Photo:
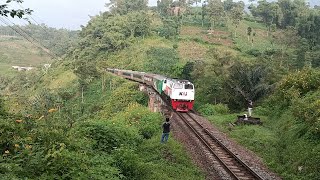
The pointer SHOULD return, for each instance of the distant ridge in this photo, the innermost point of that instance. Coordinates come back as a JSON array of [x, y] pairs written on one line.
[[312, 2]]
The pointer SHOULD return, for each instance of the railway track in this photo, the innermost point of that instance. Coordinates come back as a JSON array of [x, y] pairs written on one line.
[[236, 168]]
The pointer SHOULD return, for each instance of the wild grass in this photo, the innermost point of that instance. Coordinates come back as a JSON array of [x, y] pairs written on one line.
[[262, 40], [63, 80], [276, 142]]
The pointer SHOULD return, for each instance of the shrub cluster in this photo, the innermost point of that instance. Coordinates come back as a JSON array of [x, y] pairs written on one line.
[[210, 109], [299, 92], [118, 141]]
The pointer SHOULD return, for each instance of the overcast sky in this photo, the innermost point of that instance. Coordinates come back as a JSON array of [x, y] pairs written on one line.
[[69, 14]]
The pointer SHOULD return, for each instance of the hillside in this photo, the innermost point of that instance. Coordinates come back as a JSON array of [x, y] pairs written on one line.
[[16, 51], [47, 42], [77, 121]]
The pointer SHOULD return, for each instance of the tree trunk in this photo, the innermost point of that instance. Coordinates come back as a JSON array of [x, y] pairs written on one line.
[[102, 84], [82, 94]]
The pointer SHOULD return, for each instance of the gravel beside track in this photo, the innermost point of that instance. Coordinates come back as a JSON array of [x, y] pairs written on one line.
[[205, 160]]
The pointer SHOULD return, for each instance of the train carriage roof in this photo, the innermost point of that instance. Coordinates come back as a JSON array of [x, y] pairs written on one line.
[[158, 77], [154, 76]]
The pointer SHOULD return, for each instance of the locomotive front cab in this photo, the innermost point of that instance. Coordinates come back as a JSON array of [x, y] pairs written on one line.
[[182, 97]]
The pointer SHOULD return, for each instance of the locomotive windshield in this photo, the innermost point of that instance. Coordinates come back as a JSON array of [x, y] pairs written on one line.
[[188, 86], [178, 86]]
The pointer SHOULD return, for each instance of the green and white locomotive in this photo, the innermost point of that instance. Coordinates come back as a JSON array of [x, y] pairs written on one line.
[[180, 93]]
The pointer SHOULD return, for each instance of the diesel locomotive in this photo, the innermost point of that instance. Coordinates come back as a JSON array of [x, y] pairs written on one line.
[[180, 93]]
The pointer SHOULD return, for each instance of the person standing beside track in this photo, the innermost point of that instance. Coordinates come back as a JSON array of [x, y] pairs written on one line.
[[250, 107], [166, 131]]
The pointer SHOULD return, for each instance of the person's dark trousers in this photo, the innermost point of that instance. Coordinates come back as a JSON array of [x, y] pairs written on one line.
[[164, 137]]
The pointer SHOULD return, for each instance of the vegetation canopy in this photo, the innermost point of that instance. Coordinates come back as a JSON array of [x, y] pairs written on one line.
[[73, 120]]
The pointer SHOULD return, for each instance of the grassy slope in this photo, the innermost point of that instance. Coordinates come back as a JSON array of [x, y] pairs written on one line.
[[195, 43], [135, 56], [264, 140], [261, 39], [19, 52], [154, 154]]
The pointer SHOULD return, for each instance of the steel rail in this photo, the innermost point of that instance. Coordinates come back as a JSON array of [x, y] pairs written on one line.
[[207, 145], [237, 159], [228, 150]]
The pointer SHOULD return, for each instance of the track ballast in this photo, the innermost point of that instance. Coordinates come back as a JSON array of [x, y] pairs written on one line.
[[236, 168]]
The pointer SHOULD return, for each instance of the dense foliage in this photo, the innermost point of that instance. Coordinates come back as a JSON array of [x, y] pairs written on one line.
[[100, 147], [73, 122], [76, 113], [108, 33]]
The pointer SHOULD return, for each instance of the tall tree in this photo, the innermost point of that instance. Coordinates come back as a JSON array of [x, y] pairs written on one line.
[[215, 12], [247, 83], [237, 15], [302, 54], [228, 4], [309, 27], [125, 6], [163, 6], [249, 32], [270, 13], [289, 12]]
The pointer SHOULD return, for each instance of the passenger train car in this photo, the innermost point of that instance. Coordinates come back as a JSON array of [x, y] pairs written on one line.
[[180, 93]]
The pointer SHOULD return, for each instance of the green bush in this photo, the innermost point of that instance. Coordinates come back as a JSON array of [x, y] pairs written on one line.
[[141, 118], [130, 164], [210, 109], [254, 52], [307, 110], [299, 92], [117, 103], [108, 135], [168, 161], [302, 81], [10, 133], [2, 109], [260, 110], [161, 60]]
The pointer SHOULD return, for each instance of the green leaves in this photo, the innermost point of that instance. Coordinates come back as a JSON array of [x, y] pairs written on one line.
[[161, 60], [4, 11], [247, 83], [298, 94], [215, 12], [123, 7], [210, 110], [108, 33], [110, 135]]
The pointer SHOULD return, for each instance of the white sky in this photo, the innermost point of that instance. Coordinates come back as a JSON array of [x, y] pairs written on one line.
[[69, 14]]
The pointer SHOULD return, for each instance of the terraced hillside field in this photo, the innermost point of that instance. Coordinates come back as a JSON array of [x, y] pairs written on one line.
[[19, 52]]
